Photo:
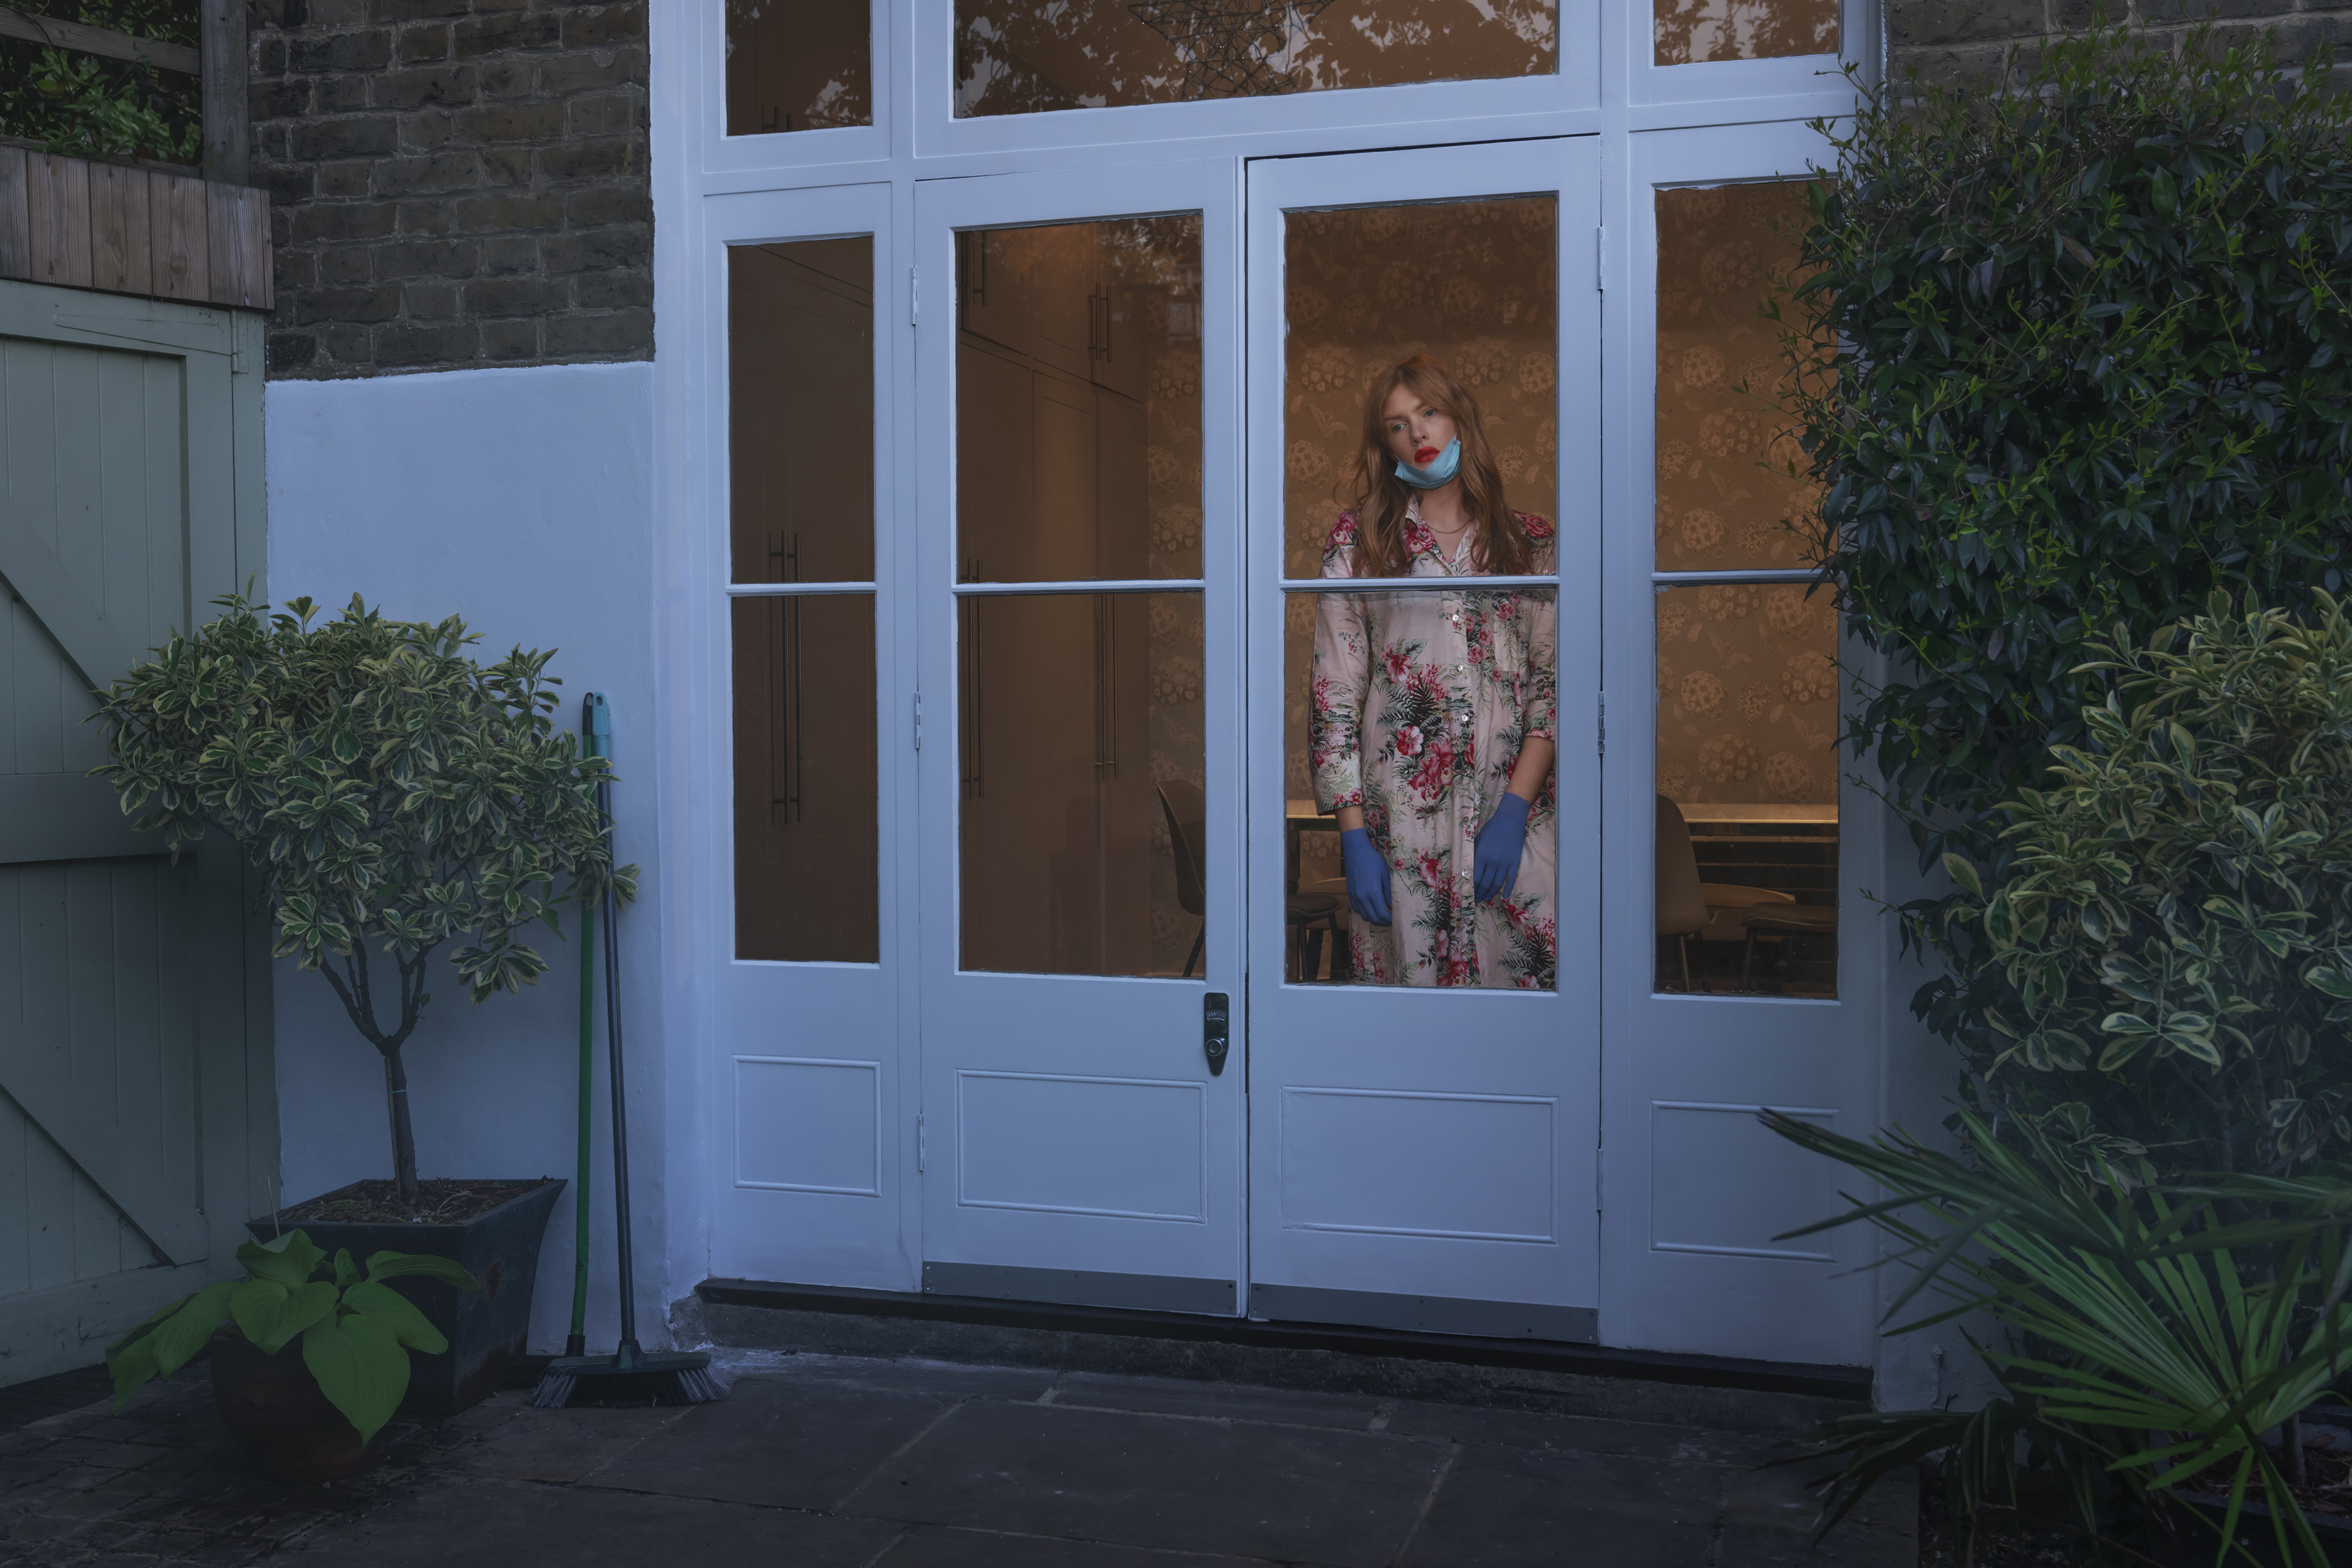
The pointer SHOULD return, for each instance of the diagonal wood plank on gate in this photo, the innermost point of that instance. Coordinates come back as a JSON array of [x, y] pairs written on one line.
[[99, 648]]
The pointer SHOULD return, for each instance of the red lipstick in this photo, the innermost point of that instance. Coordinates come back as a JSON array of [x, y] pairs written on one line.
[[1423, 455]]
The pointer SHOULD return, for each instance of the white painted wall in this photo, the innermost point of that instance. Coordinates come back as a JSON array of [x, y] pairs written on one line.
[[523, 501]]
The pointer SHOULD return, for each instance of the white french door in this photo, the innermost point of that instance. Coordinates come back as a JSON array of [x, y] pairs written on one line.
[[1725, 771], [805, 776], [1423, 1158], [1077, 368]]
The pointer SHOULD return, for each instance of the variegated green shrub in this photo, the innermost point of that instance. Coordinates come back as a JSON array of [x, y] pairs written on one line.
[[392, 793], [2174, 941]]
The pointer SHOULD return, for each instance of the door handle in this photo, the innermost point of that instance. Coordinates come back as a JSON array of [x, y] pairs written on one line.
[[1217, 1029]]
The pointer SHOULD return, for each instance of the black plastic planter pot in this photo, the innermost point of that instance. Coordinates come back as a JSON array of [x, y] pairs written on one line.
[[2199, 1536], [486, 1328]]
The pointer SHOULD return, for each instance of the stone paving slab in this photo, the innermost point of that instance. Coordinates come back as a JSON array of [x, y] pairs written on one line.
[[819, 1462]]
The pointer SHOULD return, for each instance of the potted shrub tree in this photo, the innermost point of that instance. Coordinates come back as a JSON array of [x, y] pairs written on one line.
[[397, 796], [310, 1414]]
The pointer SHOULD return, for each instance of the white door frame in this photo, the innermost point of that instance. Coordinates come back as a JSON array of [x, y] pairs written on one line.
[[1689, 1260], [1076, 1030], [1392, 1273], [825, 1203]]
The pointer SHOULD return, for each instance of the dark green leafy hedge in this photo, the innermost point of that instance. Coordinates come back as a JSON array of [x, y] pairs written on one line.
[[2093, 363]]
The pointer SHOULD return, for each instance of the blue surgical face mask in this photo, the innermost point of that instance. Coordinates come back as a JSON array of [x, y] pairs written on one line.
[[1439, 473]]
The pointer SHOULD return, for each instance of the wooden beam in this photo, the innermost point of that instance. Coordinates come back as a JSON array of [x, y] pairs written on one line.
[[96, 647], [225, 129], [63, 35], [16, 215], [68, 817]]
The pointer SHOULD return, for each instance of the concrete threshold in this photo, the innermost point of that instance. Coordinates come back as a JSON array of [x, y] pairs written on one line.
[[1561, 1379]]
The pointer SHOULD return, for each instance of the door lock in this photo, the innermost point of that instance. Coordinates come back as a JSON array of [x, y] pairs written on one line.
[[1217, 1029]]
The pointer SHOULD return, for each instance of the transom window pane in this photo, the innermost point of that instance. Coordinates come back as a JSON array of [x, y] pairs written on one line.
[[798, 65], [1017, 57], [1686, 32]]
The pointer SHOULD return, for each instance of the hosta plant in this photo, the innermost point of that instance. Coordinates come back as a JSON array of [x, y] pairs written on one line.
[[355, 1331], [393, 793]]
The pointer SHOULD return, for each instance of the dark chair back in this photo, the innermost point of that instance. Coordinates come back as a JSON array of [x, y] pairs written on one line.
[[1188, 819]]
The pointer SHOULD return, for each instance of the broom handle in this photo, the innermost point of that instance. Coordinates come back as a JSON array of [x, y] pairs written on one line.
[[620, 1105]]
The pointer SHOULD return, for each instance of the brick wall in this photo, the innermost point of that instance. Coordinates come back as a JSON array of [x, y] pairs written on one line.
[[454, 184], [1948, 39]]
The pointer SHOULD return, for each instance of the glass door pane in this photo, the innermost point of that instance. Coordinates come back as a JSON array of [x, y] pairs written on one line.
[[1413, 707], [800, 325], [1748, 673], [1080, 714]]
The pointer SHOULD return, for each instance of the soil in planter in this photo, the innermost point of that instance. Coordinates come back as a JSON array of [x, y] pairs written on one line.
[[2002, 1541], [441, 1201]]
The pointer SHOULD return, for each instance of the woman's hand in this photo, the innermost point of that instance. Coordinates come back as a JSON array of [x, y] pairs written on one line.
[[1499, 845], [1368, 875]]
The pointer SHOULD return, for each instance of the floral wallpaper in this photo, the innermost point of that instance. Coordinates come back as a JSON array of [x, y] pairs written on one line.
[[1475, 284], [1728, 484], [1748, 677], [1747, 684]]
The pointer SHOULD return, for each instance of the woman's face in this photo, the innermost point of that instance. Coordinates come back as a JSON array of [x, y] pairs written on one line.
[[1415, 432]]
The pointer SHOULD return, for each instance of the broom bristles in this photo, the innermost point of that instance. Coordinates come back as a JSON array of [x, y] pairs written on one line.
[[640, 1381]]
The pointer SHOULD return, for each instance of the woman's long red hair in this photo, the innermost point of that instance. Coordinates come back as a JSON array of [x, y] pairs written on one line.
[[1500, 544]]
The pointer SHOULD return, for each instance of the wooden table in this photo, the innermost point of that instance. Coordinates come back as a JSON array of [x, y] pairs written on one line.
[[1299, 816]]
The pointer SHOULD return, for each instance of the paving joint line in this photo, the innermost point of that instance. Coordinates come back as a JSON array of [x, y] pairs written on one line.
[[1428, 1501], [896, 1454]]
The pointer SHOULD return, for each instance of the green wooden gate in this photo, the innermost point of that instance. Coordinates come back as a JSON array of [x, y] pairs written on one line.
[[137, 1118]]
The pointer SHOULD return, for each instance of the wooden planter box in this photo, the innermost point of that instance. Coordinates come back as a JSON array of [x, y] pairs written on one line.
[[130, 230]]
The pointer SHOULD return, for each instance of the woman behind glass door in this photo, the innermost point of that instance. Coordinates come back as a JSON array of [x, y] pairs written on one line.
[[1432, 710]]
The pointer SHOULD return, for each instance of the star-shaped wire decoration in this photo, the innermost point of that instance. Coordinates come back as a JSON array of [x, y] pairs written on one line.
[[1225, 44]]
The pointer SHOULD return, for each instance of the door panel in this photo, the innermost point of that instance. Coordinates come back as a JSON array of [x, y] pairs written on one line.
[[1077, 1145], [136, 1119], [1424, 1155]]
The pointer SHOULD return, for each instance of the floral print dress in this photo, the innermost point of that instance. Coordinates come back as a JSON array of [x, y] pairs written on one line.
[[1421, 700]]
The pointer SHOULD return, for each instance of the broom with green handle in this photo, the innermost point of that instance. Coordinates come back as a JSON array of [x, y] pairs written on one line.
[[593, 743], [631, 1377]]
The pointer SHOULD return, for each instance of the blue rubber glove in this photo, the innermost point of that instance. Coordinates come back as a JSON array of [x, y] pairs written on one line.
[[1499, 844], [1368, 875]]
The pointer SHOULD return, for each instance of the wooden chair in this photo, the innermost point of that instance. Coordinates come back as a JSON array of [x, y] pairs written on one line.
[[1187, 818], [1689, 907], [1187, 811]]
